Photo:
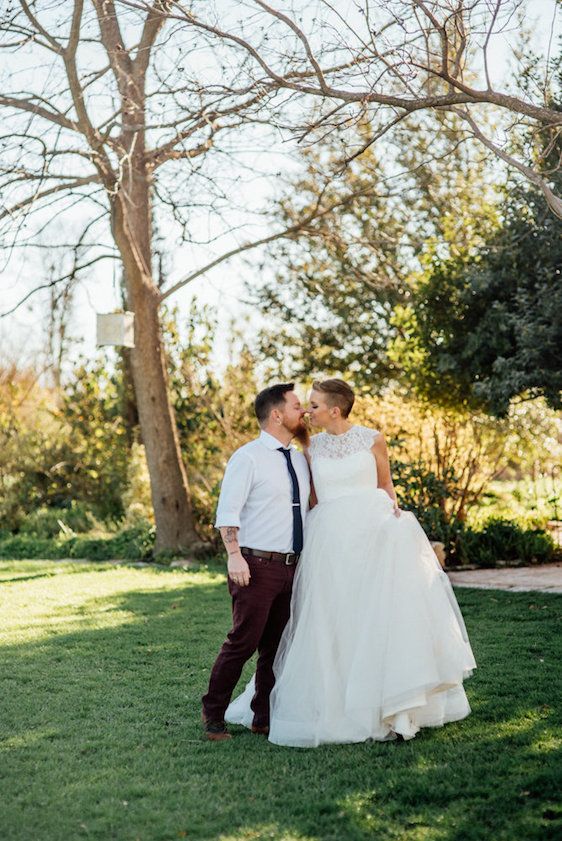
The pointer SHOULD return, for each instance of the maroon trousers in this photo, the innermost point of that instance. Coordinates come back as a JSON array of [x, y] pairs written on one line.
[[259, 612]]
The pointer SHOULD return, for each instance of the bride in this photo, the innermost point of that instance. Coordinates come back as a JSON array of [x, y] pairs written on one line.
[[376, 646]]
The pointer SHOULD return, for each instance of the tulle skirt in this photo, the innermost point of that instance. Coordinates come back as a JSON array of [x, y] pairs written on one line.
[[376, 645]]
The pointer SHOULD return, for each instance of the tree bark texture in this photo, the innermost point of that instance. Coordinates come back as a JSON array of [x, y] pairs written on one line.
[[132, 230], [175, 528]]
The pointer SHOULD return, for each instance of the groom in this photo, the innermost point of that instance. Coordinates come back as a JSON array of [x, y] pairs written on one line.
[[261, 512]]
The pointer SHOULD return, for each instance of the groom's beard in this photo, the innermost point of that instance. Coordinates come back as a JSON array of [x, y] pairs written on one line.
[[302, 433]]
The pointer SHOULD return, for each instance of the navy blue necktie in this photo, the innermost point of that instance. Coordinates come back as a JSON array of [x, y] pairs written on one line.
[[297, 518]]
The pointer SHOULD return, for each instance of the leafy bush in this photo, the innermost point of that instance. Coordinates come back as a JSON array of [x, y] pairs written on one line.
[[438, 527], [419, 490], [135, 543], [56, 448], [20, 546], [497, 539], [51, 522], [131, 544], [503, 540]]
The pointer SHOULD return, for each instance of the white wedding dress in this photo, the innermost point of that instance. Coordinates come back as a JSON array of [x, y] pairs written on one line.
[[376, 644]]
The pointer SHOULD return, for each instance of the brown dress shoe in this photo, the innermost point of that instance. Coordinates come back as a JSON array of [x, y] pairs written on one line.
[[215, 731], [261, 730]]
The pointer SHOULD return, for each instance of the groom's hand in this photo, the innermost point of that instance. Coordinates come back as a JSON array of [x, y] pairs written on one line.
[[238, 569]]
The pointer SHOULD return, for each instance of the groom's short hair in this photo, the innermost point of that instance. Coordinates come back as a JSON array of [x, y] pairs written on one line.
[[271, 398]]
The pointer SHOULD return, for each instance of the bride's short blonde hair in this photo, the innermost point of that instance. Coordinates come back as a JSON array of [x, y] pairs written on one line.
[[338, 393]]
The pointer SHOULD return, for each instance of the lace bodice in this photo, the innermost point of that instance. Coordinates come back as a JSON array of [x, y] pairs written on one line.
[[355, 439], [343, 465]]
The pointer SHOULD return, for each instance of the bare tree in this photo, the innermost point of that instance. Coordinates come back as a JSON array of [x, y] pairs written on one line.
[[385, 61], [112, 116], [91, 120]]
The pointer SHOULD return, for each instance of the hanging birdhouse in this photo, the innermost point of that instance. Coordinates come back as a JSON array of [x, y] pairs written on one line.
[[116, 328]]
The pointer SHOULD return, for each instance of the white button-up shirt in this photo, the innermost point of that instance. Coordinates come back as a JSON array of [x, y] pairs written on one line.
[[257, 494]]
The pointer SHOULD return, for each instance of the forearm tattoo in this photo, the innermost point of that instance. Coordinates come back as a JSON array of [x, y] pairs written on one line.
[[229, 536]]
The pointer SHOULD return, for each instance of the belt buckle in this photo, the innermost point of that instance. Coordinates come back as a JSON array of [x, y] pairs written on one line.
[[288, 555]]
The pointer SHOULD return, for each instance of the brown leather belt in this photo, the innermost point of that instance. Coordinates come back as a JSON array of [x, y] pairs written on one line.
[[287, 558]]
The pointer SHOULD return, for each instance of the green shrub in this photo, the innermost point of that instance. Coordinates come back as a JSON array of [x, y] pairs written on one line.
[[51, 522], [20, 546], [135, 543], [537, 545], [504, 540], [438, 527], [92, 548], [419, 490], [483, 542]]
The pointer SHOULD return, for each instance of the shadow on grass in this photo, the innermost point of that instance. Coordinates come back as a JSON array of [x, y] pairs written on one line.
[[102, 739], [19, 578]]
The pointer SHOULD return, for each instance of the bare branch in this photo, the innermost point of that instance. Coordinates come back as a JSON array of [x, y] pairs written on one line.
[[167, 151], [302, 37], [47, 114], [52, 43], [75, 27], [68, 185], [51, 283], [461, 94], [155, 19], [554, 202], [289, 232], [112, 40], [487, 42]]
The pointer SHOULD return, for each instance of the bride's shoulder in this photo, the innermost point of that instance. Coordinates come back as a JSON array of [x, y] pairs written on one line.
[[367, 434]]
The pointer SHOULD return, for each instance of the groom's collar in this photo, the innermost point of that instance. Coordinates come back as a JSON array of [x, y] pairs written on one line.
[[271, 442]]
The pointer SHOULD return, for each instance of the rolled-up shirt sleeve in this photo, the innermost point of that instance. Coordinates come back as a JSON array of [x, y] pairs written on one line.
[[235, 488]]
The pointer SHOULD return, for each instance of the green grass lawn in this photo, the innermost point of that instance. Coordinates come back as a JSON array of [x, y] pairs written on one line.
[[101, 672]]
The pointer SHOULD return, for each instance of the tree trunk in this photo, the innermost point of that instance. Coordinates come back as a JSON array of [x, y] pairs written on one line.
[[175, 527], [129, 409], [129, 401], [130, 202]]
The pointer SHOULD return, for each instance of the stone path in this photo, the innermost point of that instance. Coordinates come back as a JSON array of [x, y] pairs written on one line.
[[546, 578]]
